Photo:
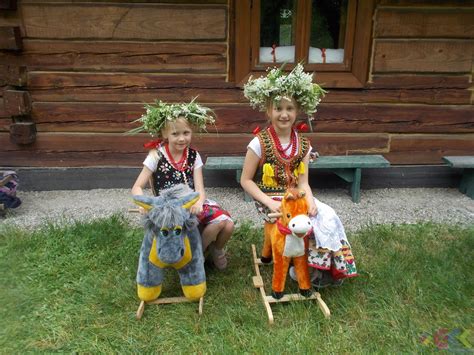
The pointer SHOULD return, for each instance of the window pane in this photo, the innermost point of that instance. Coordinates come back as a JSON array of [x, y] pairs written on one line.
[[277, 31], [328, 30]]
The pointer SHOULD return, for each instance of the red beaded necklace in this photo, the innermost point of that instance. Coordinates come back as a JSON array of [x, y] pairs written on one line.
[[180, 165], [292, 144]]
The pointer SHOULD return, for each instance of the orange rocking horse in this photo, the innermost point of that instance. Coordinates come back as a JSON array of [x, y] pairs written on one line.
[[287, 240]]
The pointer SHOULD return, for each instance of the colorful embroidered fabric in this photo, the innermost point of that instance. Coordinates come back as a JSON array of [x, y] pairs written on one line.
[[283, 170], [210, 213]]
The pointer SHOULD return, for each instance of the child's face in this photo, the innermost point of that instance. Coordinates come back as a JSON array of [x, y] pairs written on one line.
[[283, 114], [178, 134]]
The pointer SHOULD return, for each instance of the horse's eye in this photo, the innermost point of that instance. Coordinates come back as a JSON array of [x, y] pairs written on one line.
[[288, 215], [164, 232], [177, 231]]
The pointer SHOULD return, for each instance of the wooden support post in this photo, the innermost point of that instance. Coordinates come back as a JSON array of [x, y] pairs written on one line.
[[13, 75], [23, 132], [467, 183], [17, 102], [10, 38], [355, 186]]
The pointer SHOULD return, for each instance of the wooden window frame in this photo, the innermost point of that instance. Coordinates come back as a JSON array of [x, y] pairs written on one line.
[[352, 73]]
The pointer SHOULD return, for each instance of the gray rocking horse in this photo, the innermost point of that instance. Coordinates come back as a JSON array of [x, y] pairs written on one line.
[[172, 240]]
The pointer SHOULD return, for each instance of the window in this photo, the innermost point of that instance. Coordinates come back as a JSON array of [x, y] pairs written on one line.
[[332, 38]]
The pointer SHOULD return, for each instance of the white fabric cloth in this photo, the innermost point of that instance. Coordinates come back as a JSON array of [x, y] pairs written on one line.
[[286, 54], [332, 55], [151, 161], [327, 227]]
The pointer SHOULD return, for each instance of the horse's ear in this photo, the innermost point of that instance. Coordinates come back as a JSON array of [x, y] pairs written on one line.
[[143, 201], [301, 194], [190, 200], [289, 196]]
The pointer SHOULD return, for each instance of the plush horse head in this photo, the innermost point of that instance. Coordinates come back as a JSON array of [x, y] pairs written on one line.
[[172, 240], [287, 239]]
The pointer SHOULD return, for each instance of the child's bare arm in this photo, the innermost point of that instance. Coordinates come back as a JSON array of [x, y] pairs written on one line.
[[304, 185], [247, 183], [198, 187], [142, 181]]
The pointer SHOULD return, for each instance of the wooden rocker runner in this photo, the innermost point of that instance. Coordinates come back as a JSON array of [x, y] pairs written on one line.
[[168, 300], [268, 300]]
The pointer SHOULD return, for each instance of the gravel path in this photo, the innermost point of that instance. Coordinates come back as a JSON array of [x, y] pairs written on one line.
[[378, 206]]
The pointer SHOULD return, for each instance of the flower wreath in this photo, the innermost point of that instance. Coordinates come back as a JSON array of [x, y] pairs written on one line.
[[277, 85], [160, 113]]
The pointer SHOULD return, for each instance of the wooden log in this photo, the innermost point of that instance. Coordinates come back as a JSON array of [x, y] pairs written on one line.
[[10, 38], [424, 23], [16, 102], [121, 56], [423, 56], [127, 22], [348, 118], [426, 3], [101, 81], [22, 132], [414, 81], [428, 149], [12, 74], [88, 149], [43, 86]]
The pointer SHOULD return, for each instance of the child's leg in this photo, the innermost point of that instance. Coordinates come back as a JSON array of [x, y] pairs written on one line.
[[217, 233], [215, 236]]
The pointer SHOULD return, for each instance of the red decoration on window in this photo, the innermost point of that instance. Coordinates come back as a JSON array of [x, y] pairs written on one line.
[[256, 130], [152, 144], [273, 52], [302, 127], [323, 54]]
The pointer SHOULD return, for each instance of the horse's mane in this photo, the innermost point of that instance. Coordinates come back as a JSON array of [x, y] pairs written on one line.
[[169, 213]]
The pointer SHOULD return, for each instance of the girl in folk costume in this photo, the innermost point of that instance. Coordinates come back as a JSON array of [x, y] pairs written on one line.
[[172, 161], [277, 159]]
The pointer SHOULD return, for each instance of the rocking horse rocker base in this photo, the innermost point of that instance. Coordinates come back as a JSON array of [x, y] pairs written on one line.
[[286, 241], [167, 300], [268, 299]]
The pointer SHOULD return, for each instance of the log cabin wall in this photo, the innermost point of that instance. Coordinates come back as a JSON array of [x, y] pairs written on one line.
[[77, 73]]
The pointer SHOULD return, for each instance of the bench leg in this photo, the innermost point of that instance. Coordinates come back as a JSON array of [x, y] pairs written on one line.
[[353, 177], [355, 186], [238, 174], [467, 183]]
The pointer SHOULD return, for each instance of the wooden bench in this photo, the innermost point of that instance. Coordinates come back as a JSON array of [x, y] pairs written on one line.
[[348, 167], [467, 180]]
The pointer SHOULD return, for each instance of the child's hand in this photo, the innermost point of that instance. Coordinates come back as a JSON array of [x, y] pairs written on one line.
[[141, 210], [196, 208], [274, 206], [312, 209]]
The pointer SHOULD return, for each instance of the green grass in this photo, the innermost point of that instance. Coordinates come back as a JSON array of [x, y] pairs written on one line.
[[72, 289]]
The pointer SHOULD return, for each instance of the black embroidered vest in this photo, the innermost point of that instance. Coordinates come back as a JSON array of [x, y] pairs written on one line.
[[166, 176]]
